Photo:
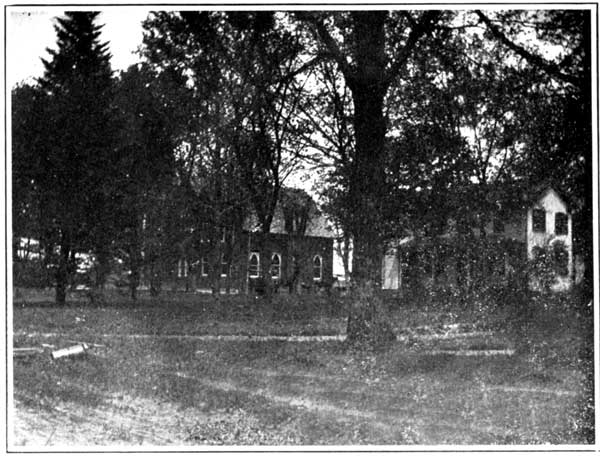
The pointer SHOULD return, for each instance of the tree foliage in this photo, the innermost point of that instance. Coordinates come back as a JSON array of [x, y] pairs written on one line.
[[72, 152], [242, 140], [152, 110], [372, 49], [557, 118], [414, 115]]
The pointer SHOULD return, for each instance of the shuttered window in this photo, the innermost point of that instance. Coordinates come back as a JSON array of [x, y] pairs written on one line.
[[539, 220]]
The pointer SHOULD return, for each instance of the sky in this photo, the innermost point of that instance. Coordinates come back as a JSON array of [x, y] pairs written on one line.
[[29, 31]]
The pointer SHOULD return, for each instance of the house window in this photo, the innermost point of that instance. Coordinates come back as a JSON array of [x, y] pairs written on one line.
[[561, 224], [254, 265], [317, 268], [224, 266], [182, 268], [539, 220], [276, 266], [203, 267], [561, 259]]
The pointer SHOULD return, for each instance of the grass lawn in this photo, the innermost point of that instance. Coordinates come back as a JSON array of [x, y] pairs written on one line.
[[154, 390]]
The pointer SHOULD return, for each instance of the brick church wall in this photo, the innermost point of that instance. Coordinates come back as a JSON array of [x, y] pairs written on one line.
[[297, 255]]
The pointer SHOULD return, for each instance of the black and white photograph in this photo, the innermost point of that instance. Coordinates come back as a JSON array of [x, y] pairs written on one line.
[[301, 227]]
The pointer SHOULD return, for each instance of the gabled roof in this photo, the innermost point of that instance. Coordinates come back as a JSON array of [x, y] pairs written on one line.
[[316, 225], [535, 194], [522, 194], [549, 190]]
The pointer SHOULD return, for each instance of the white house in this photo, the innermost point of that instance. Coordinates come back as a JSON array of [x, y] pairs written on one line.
[[541, 222], [549, 224]]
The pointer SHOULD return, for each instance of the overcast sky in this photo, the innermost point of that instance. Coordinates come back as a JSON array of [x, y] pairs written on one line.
[[29, 31]]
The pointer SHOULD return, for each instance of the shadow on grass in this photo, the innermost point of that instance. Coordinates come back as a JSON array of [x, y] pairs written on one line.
[[554, 351]]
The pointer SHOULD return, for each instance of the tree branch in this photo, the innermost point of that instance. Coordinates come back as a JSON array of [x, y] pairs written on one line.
[[417, 31], [538, 61], [319, 29], [304, 67]]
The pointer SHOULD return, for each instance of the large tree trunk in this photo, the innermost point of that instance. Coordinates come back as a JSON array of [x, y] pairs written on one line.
[[367, 321], [366, 178], [367, 182], [368, 77]]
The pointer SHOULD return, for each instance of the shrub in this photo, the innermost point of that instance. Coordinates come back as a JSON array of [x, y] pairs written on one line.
[[31, 274]]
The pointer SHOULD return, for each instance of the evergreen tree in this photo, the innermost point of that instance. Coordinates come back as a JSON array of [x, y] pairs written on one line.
[[27, 119], [77, 155]]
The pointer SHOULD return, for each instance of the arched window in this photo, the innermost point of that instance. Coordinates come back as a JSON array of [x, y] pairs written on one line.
[[182, 268], [317, 268], [225, 266], [203, 267], [254, 265], [276, 266]]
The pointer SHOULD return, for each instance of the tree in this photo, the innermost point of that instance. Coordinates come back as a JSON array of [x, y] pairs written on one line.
[[456, 140], [368, 71], [298, 208], [558, 123], [153, 111], [205, 159], [73, 147], [25, 163], [241, 69], [496, 151], [326, 112], [372, 49], [27, 120]]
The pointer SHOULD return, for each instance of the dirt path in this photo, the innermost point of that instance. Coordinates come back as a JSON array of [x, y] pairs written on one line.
[[234, 338], [248, 337]]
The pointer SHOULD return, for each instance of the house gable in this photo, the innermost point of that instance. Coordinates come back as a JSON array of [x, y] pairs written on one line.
[[520, 223], [551, 202]]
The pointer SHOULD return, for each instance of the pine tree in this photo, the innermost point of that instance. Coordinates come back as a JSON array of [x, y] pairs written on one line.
[[78, 163]]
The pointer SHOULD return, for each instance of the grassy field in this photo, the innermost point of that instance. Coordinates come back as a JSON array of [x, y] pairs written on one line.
[[146, 386]]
